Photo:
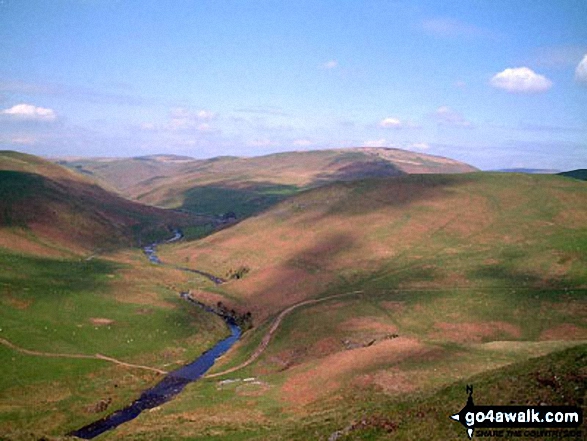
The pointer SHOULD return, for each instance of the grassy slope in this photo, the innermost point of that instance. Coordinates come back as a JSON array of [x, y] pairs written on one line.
[[54, 301], [576, 174], [472, 272], [250, 185], [121, 307]]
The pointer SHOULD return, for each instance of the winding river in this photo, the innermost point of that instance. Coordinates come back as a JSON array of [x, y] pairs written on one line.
[[173, 383]]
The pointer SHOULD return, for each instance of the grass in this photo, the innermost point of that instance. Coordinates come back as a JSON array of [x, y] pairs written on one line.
[[73, 306], [460, 279], [476, 274], [216, 200]]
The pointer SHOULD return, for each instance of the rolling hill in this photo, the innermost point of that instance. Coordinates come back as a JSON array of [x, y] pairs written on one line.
[[426, 281], [576, 174], [86, 321], [44, 206], [374, 301], [247, 186]]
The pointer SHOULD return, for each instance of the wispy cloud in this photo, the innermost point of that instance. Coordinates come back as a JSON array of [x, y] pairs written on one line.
[[556, 56], [581, 71], [520, 80], [445, 27], [182, 119], [303, 143], [262, 143], [419, 146], [445, 116], [331, 64], [262, 110], [24, 140], [78, 93], [382, 142], [28, 112], [391, 123]]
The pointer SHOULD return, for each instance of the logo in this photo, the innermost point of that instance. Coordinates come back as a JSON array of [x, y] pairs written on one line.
[[474, 417]]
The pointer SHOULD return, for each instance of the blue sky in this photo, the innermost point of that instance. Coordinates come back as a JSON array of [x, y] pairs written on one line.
[[495, 83]]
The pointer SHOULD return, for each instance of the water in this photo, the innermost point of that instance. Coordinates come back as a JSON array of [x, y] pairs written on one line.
[[174, 382], [166, 389]]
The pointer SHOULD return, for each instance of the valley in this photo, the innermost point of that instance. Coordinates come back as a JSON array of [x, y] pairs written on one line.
[[379, 282]]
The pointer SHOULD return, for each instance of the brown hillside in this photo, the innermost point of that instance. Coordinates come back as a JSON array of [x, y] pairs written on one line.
[[47, 209], [433, 231], [167, 181]]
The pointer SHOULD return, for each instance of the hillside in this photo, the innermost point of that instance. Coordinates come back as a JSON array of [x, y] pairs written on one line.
[[86, 321], [576, 174], [246, 186], [46, 208], [522, 226], [426, 281]]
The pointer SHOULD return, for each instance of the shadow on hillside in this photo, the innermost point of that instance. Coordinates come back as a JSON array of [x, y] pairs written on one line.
[[82, 213], [50, 278], [247, 199], [356, 171], [303, 275], [317, 256], [507, 274], [366, 196]]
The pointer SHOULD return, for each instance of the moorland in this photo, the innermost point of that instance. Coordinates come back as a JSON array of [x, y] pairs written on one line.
[[379, 283]]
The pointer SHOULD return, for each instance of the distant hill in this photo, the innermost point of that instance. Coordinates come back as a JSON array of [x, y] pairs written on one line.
[[532, 171], [45, 207], [248, 185], [577, 174]]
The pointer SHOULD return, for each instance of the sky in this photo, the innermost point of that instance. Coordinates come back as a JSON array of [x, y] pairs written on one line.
[[495, 83]]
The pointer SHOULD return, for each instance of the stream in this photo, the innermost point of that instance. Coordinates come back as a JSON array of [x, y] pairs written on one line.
[[173, 383]]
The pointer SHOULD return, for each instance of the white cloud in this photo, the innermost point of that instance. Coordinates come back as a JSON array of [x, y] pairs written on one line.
[[302, 142], [419, 146], [520, 79], [391, 123], [30, 113], [581, 71], [331, 64], [448, 117], [376, 143], [206, 115]]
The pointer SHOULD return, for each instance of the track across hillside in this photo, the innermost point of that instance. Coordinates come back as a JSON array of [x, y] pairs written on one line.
[[84, 356], [267, 337]]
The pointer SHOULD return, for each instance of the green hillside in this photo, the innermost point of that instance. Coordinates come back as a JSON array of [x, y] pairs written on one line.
[[428, 281], [577, 174], [74, 285]]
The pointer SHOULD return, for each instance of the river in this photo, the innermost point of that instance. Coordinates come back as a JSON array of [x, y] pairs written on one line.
[[172, 384]]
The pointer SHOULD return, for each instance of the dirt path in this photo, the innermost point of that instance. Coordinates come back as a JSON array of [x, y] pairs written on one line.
[[89, 357], [267, 337]]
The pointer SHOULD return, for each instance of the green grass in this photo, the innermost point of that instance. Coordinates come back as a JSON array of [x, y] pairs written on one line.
[[503, 252], [47, 305], [198, 231], [215, 200]]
